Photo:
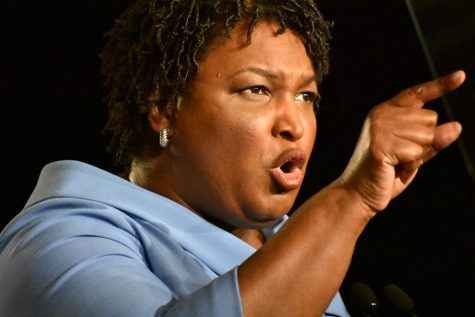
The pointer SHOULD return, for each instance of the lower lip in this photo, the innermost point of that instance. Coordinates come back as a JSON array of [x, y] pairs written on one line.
[[287, 181]]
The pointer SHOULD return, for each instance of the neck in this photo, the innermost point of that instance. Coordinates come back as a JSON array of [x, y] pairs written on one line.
[[253, 237]]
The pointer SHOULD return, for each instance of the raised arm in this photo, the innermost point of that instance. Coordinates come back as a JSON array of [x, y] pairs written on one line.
[[299, 271]]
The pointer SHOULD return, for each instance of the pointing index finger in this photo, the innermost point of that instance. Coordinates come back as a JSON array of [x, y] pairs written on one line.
[[417, 95]]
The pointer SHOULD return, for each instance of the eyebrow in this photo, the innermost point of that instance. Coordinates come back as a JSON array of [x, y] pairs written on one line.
[[267, 74], [256, 70]]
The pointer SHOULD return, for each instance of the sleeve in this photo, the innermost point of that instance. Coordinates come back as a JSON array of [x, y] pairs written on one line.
[[78, 265], [219, 298]]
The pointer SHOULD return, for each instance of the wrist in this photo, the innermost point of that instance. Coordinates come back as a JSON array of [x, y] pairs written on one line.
[[352, 197]]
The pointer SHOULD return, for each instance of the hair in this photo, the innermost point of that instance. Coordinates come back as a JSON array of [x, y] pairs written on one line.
[[155, 46]]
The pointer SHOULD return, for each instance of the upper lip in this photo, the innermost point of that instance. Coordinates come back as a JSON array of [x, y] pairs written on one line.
[[295, 157]]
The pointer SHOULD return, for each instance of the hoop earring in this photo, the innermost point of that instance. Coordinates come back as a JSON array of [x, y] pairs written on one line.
[[163, 138]]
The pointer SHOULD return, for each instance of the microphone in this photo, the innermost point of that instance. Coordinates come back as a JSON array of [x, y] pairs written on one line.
[[396, 303], [362, 301]]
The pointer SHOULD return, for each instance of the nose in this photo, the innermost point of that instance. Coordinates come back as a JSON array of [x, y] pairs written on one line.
[[288, 121]]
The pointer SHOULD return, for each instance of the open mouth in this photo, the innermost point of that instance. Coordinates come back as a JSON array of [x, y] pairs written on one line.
[[288, 167], [288, 174]]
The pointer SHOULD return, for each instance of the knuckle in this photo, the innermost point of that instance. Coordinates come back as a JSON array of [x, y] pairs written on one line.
[[431, 117], [415, 91], [434, 117], [378, 113], [418, 90], [430, 138]]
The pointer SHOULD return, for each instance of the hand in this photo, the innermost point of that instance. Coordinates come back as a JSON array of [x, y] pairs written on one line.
[[398, 136]]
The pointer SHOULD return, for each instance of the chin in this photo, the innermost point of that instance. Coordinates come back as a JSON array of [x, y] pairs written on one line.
[[267, 215], [259, 223]]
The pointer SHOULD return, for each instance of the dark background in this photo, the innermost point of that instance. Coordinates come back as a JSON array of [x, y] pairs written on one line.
[[51, 102]]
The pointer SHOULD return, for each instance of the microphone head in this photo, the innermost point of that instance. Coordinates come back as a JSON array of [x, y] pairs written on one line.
[[362, 301], [395, 302]]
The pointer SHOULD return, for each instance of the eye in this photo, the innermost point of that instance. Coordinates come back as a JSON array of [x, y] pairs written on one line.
[[256, 90], [308, 97]]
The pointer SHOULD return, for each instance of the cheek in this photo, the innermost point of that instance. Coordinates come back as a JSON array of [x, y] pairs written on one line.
[[240, 138], [248, 130], [314, 128], [216, 136], [310, 129]]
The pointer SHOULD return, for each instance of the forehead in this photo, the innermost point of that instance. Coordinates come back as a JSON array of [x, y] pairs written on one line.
[[265, 47]]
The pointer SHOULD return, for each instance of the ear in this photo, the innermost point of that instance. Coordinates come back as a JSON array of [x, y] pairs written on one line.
[[159, 118]]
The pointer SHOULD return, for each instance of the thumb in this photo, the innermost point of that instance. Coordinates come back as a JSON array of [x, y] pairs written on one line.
[[446, 134]]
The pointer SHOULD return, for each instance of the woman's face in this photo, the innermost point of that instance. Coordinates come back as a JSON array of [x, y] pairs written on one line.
[[244, 133]]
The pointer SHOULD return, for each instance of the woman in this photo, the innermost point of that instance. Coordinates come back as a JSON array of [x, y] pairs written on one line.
[[212, 114]]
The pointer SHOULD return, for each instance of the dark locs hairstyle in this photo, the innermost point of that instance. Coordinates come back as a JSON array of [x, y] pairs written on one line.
[[155, 46]]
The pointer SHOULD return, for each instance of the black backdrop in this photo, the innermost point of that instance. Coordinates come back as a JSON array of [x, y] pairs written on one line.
[[51, 103]]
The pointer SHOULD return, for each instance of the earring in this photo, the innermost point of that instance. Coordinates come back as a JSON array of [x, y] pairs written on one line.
[[164, 140]]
